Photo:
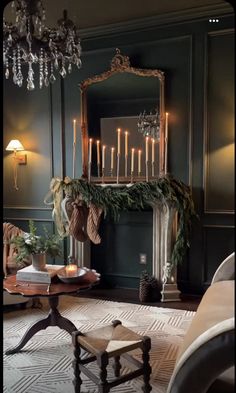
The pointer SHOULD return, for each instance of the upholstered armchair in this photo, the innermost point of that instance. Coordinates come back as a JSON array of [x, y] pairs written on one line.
[[10, 266], [205, 362]]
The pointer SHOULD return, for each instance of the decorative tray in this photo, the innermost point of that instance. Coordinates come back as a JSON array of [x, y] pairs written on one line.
[[76, 278]]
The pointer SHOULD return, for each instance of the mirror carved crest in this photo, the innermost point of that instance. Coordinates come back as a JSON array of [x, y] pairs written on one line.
[[120, 65]]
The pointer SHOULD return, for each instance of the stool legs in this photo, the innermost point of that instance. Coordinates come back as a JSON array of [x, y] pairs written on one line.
[[77, 380], [117, 366], [146, 366], [95, 348], [102, 361]]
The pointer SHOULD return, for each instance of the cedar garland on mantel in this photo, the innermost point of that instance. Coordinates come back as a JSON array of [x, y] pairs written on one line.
[[138, 196]]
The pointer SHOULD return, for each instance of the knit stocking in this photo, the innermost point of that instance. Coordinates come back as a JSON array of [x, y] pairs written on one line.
[[93, 222], [78, 221]]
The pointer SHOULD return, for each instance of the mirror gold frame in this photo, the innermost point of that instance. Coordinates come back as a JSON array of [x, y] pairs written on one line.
[[121, 64]]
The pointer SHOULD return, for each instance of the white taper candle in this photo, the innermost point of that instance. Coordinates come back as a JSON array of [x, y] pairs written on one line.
[[132, 160], [126, 143], [139, 161], [74, 131], [166, 128], [118, 140], [90, 150], [103, 156], [147, 139], [112, 158], [98, 152]]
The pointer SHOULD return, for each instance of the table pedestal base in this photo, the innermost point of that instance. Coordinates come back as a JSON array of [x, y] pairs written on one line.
[[54, 318]]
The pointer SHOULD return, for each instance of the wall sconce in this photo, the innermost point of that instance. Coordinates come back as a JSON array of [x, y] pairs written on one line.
[[15, 146]]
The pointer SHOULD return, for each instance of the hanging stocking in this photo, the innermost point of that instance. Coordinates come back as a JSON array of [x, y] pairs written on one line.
[[93, 223], [78, 221]]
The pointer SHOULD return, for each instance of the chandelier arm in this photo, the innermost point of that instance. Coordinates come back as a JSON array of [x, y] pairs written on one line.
[[29, 41]]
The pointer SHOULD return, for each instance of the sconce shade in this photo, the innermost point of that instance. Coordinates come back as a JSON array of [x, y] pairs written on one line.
[[15, 145]]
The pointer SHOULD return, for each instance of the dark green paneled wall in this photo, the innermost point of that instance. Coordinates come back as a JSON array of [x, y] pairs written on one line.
[[197, 59], [118, 255]]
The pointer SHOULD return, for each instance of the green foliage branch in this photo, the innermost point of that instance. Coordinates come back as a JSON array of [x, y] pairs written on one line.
[[30, 243], [138, 196]]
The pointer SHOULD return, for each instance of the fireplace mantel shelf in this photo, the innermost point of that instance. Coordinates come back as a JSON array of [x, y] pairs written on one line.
[[172, 206]]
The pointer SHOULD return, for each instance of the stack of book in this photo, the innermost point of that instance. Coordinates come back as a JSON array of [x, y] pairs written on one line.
[[29, 274]]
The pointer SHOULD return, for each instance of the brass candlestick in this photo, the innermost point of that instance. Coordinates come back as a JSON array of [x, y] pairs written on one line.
[[132, 177], [146, 171], [153, 169], [118, 168], [89, 172], [98, 168], [126, 165]]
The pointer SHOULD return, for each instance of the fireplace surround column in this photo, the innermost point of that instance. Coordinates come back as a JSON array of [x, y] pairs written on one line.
[[164, 234]]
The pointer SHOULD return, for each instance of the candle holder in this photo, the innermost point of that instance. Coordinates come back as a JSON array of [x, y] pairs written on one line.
[[166, 155], [98, 169], [118, 168], [153, 169], [89, 172], [103, 174], [126, 165], [146, 171], [132, 177], [74, 154]]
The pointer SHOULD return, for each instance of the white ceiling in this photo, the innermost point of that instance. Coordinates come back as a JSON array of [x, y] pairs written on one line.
[[93, 13]]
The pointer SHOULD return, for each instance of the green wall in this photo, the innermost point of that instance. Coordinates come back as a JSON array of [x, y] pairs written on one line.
[[197, 58]]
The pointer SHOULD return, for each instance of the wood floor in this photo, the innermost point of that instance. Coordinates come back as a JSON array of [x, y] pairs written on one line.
[[188, 302]]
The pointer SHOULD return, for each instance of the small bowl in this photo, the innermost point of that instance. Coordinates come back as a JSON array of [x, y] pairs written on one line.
[[72, 279]]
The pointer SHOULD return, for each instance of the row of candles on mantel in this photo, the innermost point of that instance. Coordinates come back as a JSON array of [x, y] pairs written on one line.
[[132, 155], [102, 163]]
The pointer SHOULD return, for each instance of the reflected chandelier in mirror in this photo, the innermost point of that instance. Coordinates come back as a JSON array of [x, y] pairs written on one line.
[[123, 107]]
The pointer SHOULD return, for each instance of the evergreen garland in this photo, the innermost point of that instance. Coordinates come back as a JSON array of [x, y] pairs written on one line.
[[138, 196]]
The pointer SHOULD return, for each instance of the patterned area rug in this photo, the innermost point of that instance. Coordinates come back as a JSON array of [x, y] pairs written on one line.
[[44, 365]]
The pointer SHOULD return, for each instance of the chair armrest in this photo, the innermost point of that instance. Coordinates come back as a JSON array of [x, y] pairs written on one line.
[[225, 271], [200, 364]]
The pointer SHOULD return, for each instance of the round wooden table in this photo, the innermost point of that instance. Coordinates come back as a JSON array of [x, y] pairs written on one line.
[[52, 292]]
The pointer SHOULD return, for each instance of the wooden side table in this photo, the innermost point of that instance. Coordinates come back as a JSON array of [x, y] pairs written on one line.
[[52, 293]]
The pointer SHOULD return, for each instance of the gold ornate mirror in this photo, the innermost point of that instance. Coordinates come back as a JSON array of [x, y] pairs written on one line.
[[123, 124]]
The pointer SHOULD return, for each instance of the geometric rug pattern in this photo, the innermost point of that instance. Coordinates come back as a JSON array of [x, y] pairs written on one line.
[[44, 365]]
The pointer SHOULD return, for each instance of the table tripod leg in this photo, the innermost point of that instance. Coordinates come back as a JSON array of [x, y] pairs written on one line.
[[42, 324], [57, 319], [54, 318], [66, 324]]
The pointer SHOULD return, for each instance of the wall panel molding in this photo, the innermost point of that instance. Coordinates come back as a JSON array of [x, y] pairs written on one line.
[[206, 154], [29, 218], [218, 243], [190, 117], [27, 208], [171, 18]]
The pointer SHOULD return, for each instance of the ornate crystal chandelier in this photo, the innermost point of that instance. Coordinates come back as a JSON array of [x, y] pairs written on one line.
[[149, 125], [29, 42]]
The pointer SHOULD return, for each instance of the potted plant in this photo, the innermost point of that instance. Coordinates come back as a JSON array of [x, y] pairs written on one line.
[[30, 244]]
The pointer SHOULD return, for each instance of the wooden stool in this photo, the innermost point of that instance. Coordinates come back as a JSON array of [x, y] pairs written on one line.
[[110, 341]]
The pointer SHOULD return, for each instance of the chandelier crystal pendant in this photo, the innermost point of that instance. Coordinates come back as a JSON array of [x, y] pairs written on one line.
[[149, 125], [29, 42]]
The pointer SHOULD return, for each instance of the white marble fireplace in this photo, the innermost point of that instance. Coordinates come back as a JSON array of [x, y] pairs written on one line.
[[164, 233]]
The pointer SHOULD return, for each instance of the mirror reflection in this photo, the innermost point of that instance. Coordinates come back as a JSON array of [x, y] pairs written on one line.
[[123, 116]]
